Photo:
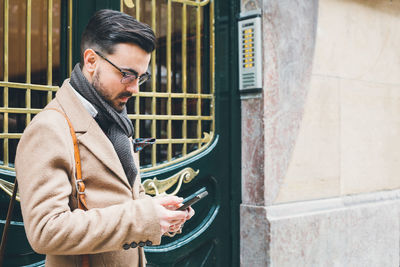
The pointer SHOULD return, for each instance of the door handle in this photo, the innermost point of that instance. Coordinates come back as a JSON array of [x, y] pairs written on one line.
[[159, 187]]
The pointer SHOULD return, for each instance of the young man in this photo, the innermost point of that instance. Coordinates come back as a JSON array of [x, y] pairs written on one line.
[[120, 219]]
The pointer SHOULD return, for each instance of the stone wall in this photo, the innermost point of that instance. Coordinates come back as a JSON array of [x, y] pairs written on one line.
[[325, 129]]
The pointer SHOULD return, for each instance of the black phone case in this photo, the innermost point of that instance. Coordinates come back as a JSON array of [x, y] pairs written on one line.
[[190, 200]]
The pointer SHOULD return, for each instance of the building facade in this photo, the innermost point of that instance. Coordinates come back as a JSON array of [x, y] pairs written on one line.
[[321, 188]]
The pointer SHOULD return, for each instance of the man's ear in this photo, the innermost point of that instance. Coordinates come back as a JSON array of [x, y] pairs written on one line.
[[90, 61]]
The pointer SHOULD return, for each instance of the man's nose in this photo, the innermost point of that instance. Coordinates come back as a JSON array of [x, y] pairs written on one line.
[[133, 87]]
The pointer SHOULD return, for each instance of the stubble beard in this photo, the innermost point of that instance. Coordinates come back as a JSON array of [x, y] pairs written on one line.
[[102, 92]]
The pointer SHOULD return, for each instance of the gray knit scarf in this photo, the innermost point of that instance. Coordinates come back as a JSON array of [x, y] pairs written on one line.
[[116, 125]]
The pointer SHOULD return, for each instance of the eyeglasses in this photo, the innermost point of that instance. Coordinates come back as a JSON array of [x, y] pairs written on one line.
[[126, 76]]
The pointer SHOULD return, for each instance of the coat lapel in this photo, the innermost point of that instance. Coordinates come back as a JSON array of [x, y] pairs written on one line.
[[88, 132]]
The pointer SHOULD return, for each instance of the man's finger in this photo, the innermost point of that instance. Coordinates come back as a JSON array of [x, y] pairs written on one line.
[[178, 221], [190, 213], [169, 200], [176, 215]]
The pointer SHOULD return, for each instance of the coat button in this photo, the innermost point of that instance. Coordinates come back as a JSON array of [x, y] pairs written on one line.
[[149, 243], [126, 246], [141, 244], [133, 245]]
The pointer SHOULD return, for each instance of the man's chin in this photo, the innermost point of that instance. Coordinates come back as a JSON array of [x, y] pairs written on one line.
[[119, 107]]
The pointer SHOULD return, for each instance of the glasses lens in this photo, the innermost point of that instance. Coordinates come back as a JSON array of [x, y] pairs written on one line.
[[145, 77], [128, 78]]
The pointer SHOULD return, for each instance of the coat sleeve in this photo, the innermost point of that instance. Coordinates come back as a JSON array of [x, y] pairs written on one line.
[[44, 163]]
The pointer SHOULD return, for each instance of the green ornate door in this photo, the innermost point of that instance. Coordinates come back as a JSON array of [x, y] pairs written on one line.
[[191, 106]]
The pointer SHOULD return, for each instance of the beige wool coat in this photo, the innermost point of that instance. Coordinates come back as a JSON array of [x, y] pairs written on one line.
[[119, 215]]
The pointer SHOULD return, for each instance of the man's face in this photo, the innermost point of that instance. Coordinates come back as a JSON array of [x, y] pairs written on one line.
[[107, 79]]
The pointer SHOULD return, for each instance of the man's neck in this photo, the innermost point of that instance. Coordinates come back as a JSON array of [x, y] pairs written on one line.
[[88, 106]]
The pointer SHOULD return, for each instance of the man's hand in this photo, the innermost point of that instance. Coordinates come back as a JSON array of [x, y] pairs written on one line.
[[171, 220]]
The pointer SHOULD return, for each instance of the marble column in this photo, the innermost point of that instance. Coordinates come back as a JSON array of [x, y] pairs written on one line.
[[271, 118]]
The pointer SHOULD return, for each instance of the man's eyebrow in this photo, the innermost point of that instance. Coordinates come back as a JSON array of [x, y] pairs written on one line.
[[130, 70]]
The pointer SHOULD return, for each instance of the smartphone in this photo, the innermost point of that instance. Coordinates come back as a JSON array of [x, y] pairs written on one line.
[[190, 200]]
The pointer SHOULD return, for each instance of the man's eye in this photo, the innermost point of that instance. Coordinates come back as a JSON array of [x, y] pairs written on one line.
[[130, 75]]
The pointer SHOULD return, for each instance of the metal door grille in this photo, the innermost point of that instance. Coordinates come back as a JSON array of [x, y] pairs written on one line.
[[27, 71], [176, 107]]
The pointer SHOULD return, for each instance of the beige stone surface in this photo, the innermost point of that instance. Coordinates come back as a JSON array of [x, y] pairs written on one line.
[[347, 231], [314, 169], [349, 138], [289, 28], [359, 39], [370, 136]]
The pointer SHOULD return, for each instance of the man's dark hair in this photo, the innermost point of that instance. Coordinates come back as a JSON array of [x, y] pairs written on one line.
[[109, 27]]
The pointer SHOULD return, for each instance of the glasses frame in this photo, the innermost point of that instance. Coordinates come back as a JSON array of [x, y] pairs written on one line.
[[127, 77]]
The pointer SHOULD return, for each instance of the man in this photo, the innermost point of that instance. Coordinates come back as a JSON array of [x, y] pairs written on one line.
[[120, 219]]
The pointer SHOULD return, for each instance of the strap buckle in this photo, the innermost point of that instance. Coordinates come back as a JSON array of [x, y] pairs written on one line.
[[80, 187]]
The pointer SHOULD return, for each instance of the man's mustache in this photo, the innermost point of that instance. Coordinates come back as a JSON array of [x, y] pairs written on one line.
[[125, 94]]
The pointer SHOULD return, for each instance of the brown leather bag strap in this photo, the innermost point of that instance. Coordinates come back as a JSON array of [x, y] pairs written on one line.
[[80, 186]]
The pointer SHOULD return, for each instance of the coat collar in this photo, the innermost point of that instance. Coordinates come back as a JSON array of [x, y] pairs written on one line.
[[90, 134]]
